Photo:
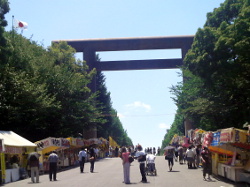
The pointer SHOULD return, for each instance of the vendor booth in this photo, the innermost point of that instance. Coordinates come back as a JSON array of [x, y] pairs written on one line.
[[72, 153], [230, 150], [15, 150], [46, 146], [230, 153]]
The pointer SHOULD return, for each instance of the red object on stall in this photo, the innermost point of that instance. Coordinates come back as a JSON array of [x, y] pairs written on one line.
[[241, 145]]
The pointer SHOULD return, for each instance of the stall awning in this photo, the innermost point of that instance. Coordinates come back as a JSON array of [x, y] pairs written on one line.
[[220, 151], [50, 144], [12, 139]]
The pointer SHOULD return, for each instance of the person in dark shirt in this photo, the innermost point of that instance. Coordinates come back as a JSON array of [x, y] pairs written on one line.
[[53, 159], [206, 163], [33, 162], [92, 157]]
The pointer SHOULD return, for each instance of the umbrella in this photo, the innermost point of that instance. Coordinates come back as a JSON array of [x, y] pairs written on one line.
[[179, 148], [169, 147]]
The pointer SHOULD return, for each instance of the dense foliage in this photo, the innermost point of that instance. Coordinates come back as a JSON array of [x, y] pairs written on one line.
[[44, 92], [216, 87]]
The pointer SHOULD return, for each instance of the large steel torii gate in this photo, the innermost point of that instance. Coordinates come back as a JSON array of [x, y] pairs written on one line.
[[89, 47]]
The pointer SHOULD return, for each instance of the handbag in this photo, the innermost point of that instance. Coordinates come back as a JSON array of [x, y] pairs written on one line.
[[166, 157], [92, 158], [130, 159]]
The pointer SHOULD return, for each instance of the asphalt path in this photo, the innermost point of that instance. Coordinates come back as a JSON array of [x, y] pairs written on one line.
[[108, 172]]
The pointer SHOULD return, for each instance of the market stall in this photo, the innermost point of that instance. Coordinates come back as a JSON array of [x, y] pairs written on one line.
[[75, 145], [230, 153], [14, 155], [50, 144]]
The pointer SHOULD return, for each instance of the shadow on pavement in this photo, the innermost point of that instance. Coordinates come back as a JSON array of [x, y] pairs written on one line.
[[223, 179]]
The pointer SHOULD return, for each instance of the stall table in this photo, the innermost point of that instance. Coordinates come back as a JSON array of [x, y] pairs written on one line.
[[230, 172], [12, 175]]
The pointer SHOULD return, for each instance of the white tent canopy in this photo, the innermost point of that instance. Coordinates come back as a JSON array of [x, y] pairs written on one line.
[[12, 139]]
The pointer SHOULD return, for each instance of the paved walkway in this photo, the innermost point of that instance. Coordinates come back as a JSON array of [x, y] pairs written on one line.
[[108, 172]]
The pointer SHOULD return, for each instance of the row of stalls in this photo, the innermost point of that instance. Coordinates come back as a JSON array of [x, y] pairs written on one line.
[[68, 149], [14, 151], [230, 150]]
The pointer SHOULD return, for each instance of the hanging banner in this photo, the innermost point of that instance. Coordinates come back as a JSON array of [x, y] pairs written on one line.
[[112, 142], [226, 135], [65, 142], [216, 139], [13, 150], [207, 140], [80, 142], [240, 136], [72, 141]]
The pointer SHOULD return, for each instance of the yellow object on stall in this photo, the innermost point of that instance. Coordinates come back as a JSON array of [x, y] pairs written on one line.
[[220, 151], [2, 161]]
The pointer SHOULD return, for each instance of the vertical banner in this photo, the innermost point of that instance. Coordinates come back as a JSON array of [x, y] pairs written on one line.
[[112, 142]]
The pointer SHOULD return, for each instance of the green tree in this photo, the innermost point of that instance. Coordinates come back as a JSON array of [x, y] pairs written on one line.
[[220, 59], [215, 91], [4, 9]]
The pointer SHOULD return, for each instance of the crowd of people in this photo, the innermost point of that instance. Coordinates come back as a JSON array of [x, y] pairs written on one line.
[[194, 156], [53, 159]]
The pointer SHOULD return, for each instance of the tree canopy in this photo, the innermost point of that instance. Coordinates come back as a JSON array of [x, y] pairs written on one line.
[[216, 71], [44, 92]]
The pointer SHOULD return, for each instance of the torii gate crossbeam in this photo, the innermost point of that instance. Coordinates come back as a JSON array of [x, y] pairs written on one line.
[[89, 47]]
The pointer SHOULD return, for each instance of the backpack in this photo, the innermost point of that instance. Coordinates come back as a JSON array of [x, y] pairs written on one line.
[[142, 158], [33, 158]]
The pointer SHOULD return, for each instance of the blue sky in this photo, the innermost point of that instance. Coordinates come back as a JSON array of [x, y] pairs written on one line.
[[141, 98]]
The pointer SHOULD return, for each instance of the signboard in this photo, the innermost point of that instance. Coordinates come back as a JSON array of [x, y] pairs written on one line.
[[226, 135], [13, 150], [80, 142], [216, 139], [55, 142], [65, 142], [44, 143]]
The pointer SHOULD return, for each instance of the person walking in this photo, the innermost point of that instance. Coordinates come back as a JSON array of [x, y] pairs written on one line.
[[53, 159], [141, 157], [198, 156], [169, 154], [206, 163], [180, 153], [190, 157], [92, 157], [33, 162], [126, 165], [116, 151], [82, 157]]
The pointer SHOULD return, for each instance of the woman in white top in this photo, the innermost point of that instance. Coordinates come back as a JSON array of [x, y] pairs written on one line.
[[190, 154]]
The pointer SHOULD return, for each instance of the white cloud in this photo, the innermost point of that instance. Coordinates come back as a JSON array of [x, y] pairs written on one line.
[[139, 104], [164, 126]]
